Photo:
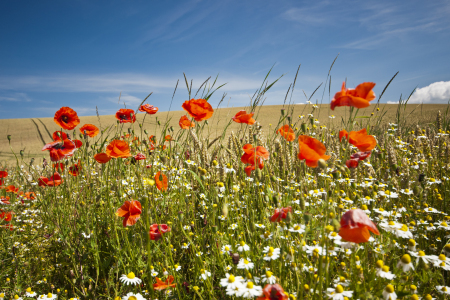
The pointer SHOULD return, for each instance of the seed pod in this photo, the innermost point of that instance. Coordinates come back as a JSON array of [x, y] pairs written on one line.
[[306, 218], [235, 258], [275, 200], [417, 190], [322, 163], [303, 127]]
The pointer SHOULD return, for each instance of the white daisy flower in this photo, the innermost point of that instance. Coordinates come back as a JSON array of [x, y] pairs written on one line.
[[204, 274], [49, 296], [443, 289], [243, 247], [132, 296], [269, 278], [271, 253], [245, 264], [249, 290], [226, 249], [297, 228], [130, 279], [232, 283], [389, 293], [338, 293], [384, 272], [405, 263]]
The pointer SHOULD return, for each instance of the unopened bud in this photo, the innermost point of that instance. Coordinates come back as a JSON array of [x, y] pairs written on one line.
[[322, 163]]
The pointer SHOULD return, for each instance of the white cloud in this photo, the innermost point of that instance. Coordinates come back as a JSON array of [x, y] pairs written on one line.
[[437, 92], [15, 97], [392, 102]]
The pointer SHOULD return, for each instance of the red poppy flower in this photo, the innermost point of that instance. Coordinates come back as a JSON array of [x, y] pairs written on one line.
[[273, 292], [157, 230], [150, 109], [66, 118], [139, 156], [311, 150], [280, 213], [59, 136], [130, 211], [102, 158], [352, 163], [11, 189], [162, 285], [199, 109], [8, 226], [62, 149], [168, 138], [74, 170], [359, 97], [243, 117], [30, 195], [5, 216], [185, 123], [55, 180], [359, 139], [118, 148], [355, 226], [3, 174], [287, 132], [90, 130], [4, 200], [126, 115], [248, 170], [254, 155], [161, 181]]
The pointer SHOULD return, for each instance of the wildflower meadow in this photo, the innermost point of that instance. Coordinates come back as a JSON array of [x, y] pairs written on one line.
[[350, 209]]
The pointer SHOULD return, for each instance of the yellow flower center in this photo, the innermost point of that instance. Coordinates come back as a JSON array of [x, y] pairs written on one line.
[[132, 298], [246, 261], [16, 297], [428, 297], [49, 295], [391, 223], [339, 289], [406, 259], [269, 274], [442, 257], [249, 285], [231, 279], [342, 279], [296, 227], [271, 250], [444, 289], [444, 224], [202, 271], [385, 269], [430, 209], [407, 190], [131, 275], [421, 253], [242, 243], [389, 288], [381, 209], [404, 228], [29, 290]]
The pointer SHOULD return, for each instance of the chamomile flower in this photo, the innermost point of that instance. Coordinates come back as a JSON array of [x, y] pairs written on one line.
[[249, 290], [405, 263], [16, 297], [226, 249], [243, 247], [49, 296], [271, 253], [232, 283], [133, 296], [338, 293], [130, 279], [384, 272], [297, 228], [29, 293], [204, 274], [245, 264], [269, 278], [443, 289], [389, 293]]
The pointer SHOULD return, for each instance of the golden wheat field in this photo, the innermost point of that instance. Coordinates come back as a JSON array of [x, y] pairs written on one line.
[[32, 134]]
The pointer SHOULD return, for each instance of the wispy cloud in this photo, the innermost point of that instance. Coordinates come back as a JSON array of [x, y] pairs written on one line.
[[15, 97], [437, 92]]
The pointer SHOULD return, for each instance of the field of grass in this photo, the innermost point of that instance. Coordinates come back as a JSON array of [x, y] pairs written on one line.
[[345, 204], [31, 135]]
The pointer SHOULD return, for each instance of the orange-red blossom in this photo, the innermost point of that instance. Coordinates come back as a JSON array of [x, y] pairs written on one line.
[[254, 156], [199, 109], [243, 117], [130, 211], [359, 139], [311, 150], [355, 226], [287, 132], [359, 97], [162, 285]]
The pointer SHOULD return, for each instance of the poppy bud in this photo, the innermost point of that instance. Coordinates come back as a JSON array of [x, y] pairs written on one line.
[[21, 153], [258, 173], [311, 121], [421, 177], [273, 178], [306, 218], [275, 200], [145, 131], [140, 125], [417, 190], [322, 163], [9, 137], [283, 111], [235, 258], [225, 210], [289, 118], [159, 122], [288, 218], [303, 127], [206, 122]]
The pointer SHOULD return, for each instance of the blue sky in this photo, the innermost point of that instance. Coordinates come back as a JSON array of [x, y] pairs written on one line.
[[83, 54]]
